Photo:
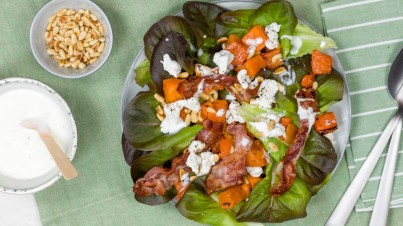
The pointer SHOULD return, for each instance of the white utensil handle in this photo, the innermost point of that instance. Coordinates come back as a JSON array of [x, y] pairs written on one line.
[[343, 209], [381, 209]]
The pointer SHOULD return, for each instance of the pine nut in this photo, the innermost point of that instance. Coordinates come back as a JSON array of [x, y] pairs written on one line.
[[192, 178], [160, 110], [232, 150], [75, 64], [159, 98], [193, 117], [183, 75], [200, 116], [259, 79], [238, 87], [204, 96], [160, 117], [187, 119], [93, 60], [315, 85], [93, 17], [82, 65], [222, 40], [216, 157], [273, 147], [211, 110], [279, 70], [271, 125]]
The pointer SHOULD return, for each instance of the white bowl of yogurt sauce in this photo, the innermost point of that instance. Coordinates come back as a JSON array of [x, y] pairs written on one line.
[[25, 163]]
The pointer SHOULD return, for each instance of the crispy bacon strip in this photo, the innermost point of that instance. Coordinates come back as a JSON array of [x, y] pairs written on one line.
[[158, 179], [230, 171], [211, 135], [219, 82], [286, 169]]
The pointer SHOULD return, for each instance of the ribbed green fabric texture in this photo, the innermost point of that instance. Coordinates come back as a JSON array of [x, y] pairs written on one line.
[[369, 35], [102, 194]]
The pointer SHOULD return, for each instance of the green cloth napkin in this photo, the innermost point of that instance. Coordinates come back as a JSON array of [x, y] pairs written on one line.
[[102, 195], [369, 34]]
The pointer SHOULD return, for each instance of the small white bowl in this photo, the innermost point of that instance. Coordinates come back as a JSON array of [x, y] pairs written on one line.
[[38, 42], [15, 181]]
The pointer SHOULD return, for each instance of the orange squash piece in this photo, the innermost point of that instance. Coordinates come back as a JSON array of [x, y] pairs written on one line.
[[255, 156], [307, 81], [273, 59], [253, 180], [321, 63], [225, 147], [236, 47], [170, 86], [253, 65], [326, 123], [285, 121], [290, 133], [232, 196], [254, 34], [219, 106]]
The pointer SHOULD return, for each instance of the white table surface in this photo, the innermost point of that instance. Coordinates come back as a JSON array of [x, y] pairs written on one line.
[[18, 210]]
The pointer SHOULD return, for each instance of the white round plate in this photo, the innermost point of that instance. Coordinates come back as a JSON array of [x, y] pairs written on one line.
[[37, 182], [342, 109]]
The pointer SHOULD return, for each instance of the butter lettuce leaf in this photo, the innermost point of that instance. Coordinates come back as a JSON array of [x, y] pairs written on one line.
[[310, 40], [317, 160], [233, 22], [279, 11], [198, 206], [262, 207]]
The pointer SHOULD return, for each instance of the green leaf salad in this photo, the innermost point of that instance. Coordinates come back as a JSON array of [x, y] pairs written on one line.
[[236, 127]]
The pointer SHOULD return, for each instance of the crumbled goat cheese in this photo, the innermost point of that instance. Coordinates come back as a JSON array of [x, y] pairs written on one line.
[[254, 42], [266, 132], [296, 43], [223, 60], [244, 142], [204, 70], [266, 93], [171, 66], [199, 89], [196, 146], [322, 44], [243, 78], [220, 113], [272, 34], [199, 163], [230, 97], [172, 122], [306, 113], [232, 114], [255, 171]]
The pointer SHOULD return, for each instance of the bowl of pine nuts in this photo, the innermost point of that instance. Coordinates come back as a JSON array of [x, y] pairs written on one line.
[[71, 38]]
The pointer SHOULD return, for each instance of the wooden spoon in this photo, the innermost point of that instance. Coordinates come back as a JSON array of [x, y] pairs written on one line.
[[63, 163]]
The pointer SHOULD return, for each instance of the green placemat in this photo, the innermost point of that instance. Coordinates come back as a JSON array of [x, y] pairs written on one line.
[[369, 35], [102, 195]]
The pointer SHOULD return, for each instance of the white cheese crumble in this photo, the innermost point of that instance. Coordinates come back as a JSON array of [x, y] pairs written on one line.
[[199, 89], [262, 127], [196, 146], [322, 44], [254, 171], [230, 97], [204, 70], [172, 122], [232, 114], [254, 42], [199, 163], [220, 113], [199, 52], [223, 60], [266, 93], [243, 78], [296, 43], [305, 113], [271, 31], [245, 141], [171, 66]]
